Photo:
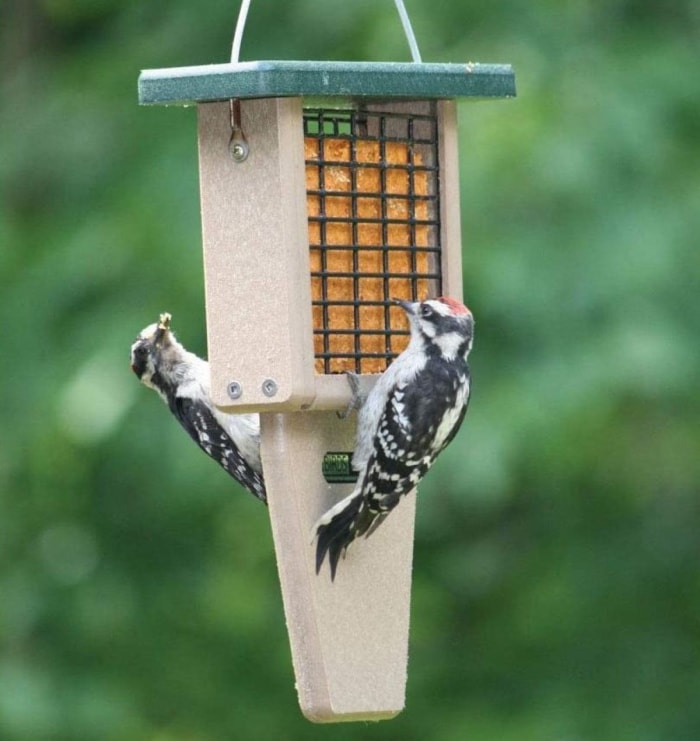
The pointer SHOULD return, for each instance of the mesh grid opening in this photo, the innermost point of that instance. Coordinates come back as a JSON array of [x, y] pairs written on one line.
[[373, 211]]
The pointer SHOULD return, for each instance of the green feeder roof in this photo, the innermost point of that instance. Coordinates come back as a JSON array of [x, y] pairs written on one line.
[[278, 79]]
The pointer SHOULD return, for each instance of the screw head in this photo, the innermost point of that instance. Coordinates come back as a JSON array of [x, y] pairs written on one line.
[[269, 387], [239, 150], [235, 390]]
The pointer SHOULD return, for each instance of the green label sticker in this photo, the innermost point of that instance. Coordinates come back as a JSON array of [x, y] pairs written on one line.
[[337, 468]]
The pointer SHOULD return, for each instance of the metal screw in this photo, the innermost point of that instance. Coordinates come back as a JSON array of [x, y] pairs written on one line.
[[269, 387], [239, 149], [235, 390]]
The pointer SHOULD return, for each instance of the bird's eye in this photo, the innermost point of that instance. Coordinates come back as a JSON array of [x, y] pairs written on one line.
[[426, 310]]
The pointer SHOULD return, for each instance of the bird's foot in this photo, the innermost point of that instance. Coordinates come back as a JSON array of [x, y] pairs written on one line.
[[358, 397]]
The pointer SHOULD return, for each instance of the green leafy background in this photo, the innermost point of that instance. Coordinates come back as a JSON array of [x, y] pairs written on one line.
[[556, 583]]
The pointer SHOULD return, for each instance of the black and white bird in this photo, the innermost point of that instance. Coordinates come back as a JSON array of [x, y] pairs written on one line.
[[182, 381], [410, 415]]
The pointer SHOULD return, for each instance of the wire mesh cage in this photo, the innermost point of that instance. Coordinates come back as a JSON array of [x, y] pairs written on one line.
[[374, 229]]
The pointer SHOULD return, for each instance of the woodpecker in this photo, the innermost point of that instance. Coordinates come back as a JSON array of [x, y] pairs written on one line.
[[182, 381], [411, 414]]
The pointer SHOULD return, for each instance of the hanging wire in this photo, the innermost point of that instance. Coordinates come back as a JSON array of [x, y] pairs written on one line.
[[400, 7], [408, 30], [238, 144], [238, 34]]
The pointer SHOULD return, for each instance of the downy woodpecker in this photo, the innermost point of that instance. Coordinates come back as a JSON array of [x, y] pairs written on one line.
[[410, 415], [182, 381]]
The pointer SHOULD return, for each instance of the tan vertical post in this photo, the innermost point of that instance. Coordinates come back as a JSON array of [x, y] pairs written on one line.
[[349, 637]]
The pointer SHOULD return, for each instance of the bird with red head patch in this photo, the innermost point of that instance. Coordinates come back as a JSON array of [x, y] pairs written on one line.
[[408, 418]]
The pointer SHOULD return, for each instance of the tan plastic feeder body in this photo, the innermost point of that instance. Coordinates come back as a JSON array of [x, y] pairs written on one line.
[[327, 190]]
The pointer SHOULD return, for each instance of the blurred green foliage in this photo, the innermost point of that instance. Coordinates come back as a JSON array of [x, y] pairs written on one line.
[[557, 587]]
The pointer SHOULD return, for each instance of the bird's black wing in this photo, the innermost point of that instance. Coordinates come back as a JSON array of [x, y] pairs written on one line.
[[203, 428], [404, 447]]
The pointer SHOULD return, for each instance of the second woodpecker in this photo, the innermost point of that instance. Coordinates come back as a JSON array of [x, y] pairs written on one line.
[[182, 381], [411, 414]]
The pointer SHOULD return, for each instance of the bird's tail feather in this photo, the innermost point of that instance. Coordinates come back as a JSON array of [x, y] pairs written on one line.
[[339, 527]]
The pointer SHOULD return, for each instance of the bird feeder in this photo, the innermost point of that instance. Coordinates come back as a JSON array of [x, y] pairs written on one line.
[[327, 190]]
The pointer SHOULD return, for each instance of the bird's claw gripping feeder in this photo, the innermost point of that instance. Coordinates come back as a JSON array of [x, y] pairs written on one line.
[[327, 190]]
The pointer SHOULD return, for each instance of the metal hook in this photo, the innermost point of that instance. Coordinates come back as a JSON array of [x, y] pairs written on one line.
[[238, 145]]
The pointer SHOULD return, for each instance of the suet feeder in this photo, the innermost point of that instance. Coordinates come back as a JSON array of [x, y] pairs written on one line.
[[327, 190]]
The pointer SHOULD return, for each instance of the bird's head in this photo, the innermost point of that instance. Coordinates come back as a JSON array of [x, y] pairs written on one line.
[[148, 350], [443, 323]]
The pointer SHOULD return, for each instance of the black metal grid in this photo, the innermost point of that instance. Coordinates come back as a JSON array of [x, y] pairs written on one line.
[[374, 229]]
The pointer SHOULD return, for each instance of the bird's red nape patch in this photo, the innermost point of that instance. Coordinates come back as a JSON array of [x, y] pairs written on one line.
[[456, 307]]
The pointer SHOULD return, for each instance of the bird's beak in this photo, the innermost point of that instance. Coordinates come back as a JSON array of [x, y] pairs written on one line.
[[163, 326], [408, 306]]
